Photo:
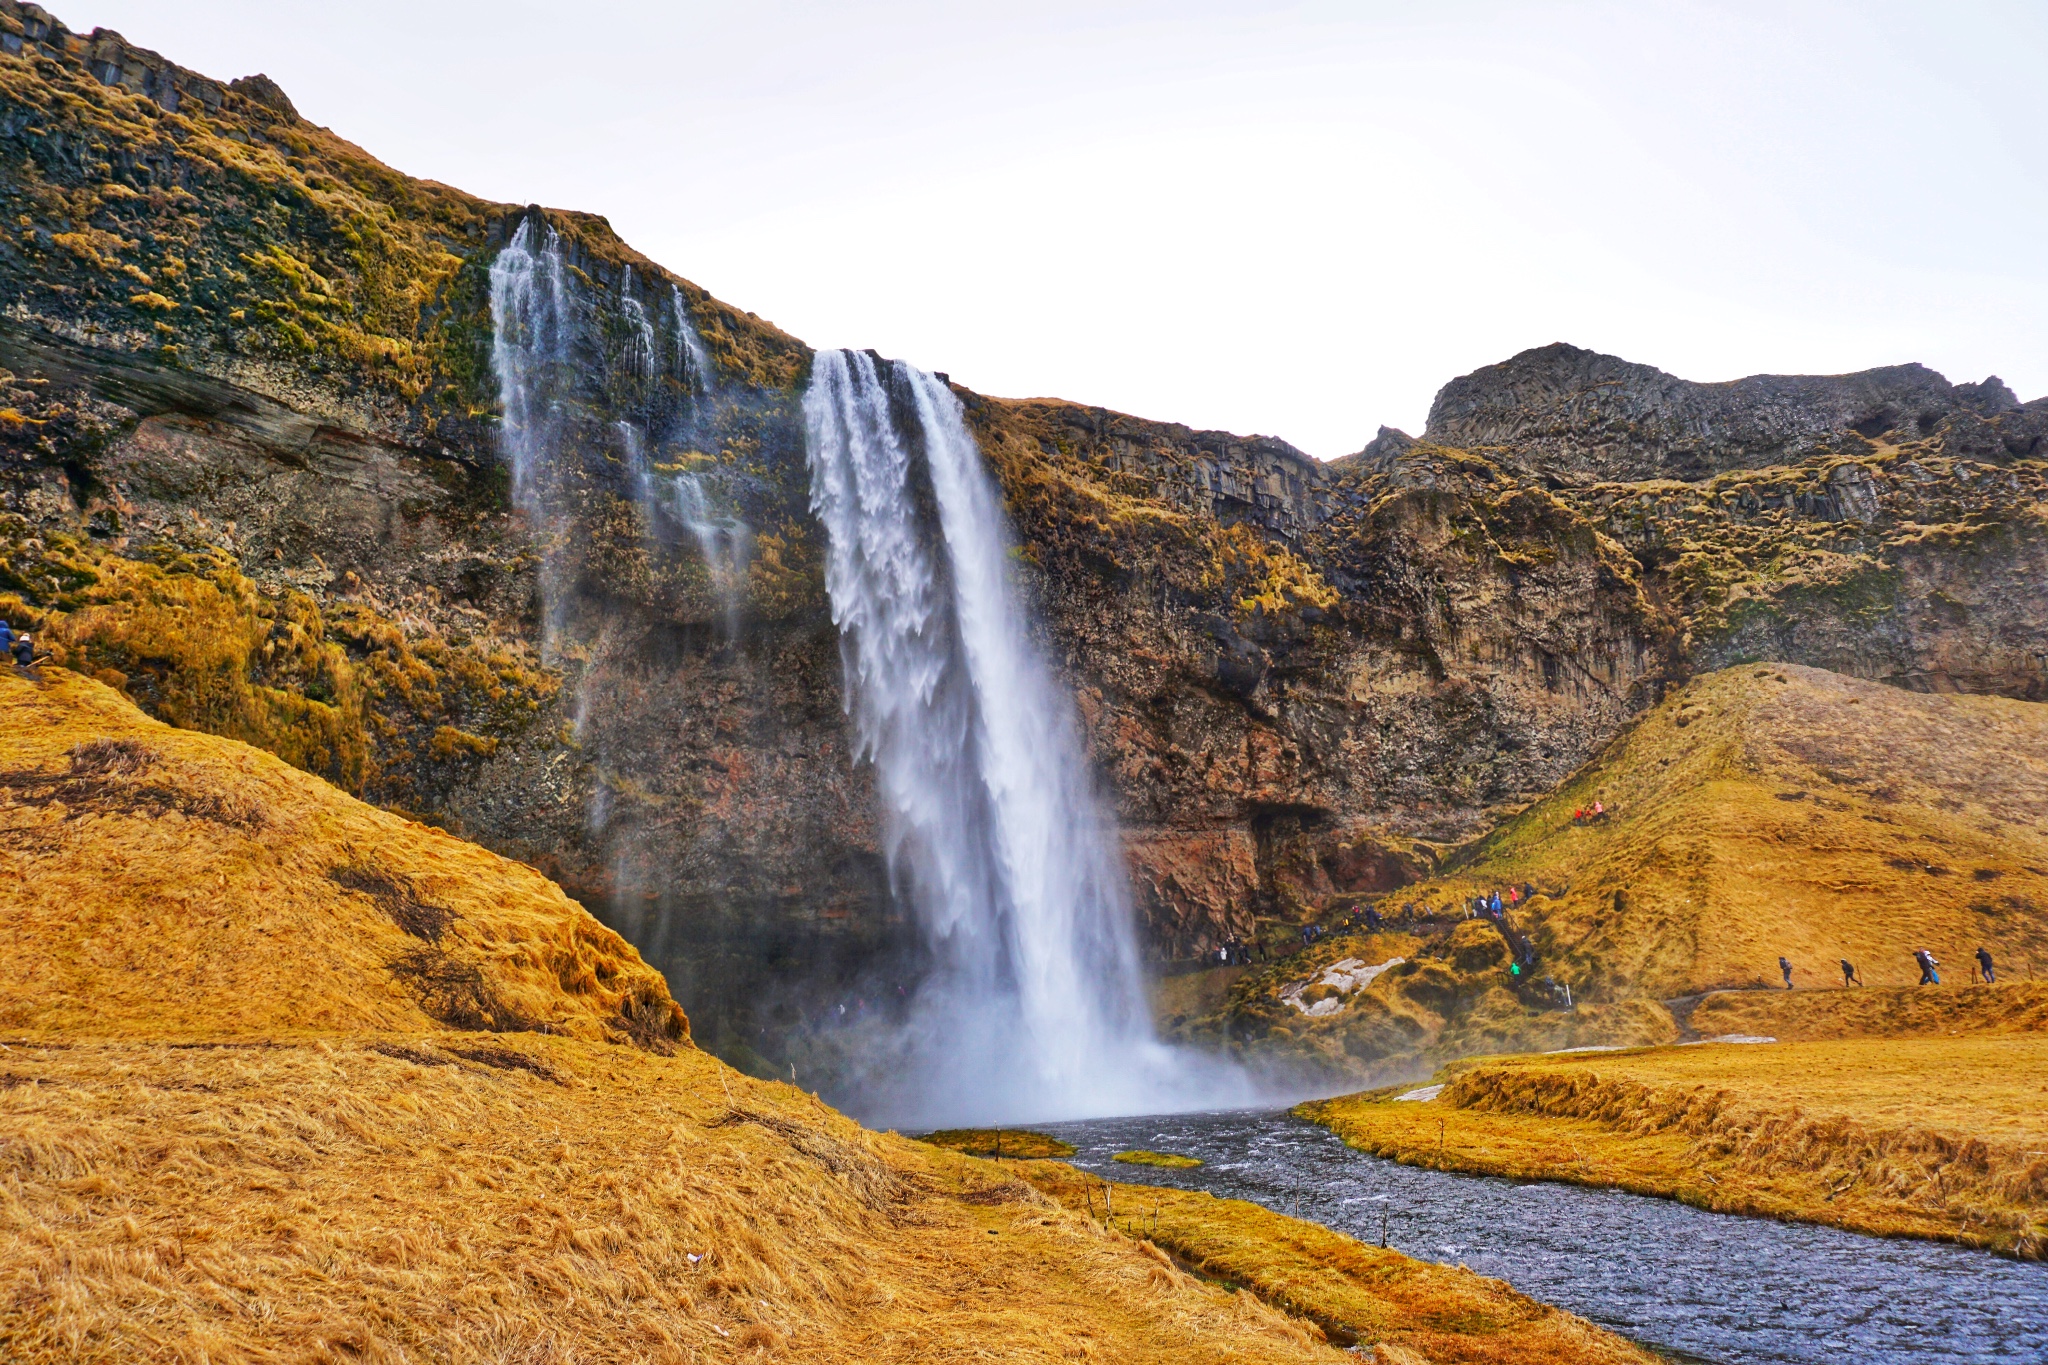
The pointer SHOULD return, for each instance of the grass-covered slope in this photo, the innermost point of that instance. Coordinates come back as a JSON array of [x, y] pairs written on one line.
[[163, 881], [285, 1073], [1935, 1136], [1768, 811], [283, 1076], [1760, 811]]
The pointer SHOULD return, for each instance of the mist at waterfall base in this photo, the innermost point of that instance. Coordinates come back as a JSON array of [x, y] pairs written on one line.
[[1034, 1005]]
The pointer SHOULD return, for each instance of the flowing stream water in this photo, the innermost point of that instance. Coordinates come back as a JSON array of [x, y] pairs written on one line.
[[1694, 1285], [993, 831]]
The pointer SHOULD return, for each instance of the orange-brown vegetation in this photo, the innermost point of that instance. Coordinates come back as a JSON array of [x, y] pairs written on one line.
[[1939, 1137], [1020, 1143], [1773, 810], [163, 881], [1895, 1012], [287, 1076], [343, 690], [1759, 812]]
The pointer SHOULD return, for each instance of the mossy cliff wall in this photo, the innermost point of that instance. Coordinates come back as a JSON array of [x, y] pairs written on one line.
[[251, 472]]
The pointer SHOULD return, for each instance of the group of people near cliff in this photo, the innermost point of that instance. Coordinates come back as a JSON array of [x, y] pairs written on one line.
[[1236, 953], [1929, 965], [19, 647], [1498, 903], [1587, 814]]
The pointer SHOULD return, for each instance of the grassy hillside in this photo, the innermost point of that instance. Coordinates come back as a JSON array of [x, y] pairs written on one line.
[[1936, 1136], [283, 1075], [1774, 810], [1760, 811], [163, 881]]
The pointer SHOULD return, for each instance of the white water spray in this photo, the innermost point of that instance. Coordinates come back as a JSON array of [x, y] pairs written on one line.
[[726, 544], [1036, 1005], [539, 316], [532, 329], [691, 361]]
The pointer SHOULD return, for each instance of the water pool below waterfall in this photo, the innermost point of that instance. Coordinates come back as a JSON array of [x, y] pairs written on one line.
[[1696, 1286]]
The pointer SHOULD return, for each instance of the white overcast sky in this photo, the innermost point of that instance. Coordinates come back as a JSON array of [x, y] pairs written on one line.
[[1290, 219]]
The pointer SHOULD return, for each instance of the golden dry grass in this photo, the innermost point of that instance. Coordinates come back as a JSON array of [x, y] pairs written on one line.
[[1759, 812], [1900, 1012], [1943, 1137], [999, 1142], [1169, 1160], [1357, 1293], [1775, 810], [163, 881], [398, 1200], [288, 1078]]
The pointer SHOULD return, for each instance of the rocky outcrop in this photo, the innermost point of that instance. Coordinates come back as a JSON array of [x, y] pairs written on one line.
[[30, 30], [1579, 417]]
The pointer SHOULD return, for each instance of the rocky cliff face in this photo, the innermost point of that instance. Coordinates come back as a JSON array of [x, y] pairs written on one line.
[[1578, 417], [253, 472]]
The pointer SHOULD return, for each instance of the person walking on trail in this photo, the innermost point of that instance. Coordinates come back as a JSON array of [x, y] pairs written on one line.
[[1496, 902], [6, 638], [1849, 977], [1929, 976], [1785, 966], [1984, 966], [24, 650]]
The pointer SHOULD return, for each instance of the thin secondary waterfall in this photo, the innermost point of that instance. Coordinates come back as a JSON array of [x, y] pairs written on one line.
[[726, 544], [532, 331], [1036, 1005], [559, 358]]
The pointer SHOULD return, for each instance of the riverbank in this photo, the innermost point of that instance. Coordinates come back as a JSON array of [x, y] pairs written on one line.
[[1936, 1137], [1405, 1311]]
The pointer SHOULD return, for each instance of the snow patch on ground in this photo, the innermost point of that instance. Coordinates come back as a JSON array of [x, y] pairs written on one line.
[[1348, 977]]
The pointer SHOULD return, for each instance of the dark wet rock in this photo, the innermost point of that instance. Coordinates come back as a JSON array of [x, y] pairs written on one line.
[[1582, 417]]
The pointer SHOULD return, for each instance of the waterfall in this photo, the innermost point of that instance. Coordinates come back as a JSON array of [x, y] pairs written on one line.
[[1035, 1006], [691, 361], [549, 349], [532, 330], [726, 544]]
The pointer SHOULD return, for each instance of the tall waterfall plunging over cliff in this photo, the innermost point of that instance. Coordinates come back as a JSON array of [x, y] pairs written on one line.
[[1035, 1005]]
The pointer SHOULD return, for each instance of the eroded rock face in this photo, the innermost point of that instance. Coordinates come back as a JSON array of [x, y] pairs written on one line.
[[1579, 417]]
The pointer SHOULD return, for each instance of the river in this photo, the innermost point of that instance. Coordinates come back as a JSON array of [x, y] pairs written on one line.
[[1694, 1285]]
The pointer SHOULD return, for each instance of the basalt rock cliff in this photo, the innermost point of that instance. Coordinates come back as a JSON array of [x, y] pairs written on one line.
[[252, 474]]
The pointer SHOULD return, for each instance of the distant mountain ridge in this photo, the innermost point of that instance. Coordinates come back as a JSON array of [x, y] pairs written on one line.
[[1581, 417]]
